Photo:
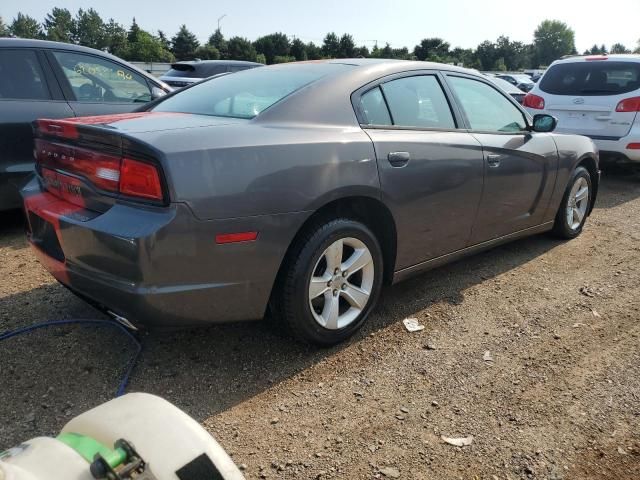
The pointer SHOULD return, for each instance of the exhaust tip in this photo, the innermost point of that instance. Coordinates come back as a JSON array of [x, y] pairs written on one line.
[[123, 321]]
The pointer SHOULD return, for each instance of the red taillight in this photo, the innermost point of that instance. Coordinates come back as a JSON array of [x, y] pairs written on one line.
[[109, 173], [629, 105], [140, 179], [533, 101], [596, 58], [634, 146]]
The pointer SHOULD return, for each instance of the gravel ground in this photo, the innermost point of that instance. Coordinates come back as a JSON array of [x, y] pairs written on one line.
[[557, 396]]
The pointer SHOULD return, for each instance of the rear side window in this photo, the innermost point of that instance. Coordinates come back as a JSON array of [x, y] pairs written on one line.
[[374, 109], [600, 77], [486, 108], [22, 76], [96, 79], [188, 70]]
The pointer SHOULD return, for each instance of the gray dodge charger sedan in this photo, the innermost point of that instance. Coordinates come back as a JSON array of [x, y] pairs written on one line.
[[298, 189]]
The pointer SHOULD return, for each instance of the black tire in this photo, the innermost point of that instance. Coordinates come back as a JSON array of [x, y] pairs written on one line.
[[290, 302], [561, 227]]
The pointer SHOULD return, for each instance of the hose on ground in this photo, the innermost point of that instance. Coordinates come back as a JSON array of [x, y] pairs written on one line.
[[130, 364]]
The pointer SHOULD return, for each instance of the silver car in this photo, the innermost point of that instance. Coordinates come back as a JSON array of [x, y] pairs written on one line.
[[297, 188], [183, 74]]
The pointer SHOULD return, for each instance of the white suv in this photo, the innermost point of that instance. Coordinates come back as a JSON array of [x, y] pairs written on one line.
[[595, 96]]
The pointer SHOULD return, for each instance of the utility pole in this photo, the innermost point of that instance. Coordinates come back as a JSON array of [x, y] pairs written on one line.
[[220, 18]]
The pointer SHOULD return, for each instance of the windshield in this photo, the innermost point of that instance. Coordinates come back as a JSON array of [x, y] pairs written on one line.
[[245, 94], [591, 78]]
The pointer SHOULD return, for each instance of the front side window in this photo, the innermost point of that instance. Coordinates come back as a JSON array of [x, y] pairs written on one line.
[[418, 102], [21, 75], [246, 94], [604, 77], [95, 79], [486, 108]]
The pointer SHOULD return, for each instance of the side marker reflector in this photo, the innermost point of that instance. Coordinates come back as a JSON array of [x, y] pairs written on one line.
[[236, 237]]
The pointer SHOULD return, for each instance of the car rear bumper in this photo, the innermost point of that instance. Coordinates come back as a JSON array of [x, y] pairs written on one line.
[[618, 147], [158, 267]]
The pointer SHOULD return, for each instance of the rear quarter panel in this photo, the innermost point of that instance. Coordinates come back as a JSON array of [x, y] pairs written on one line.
[[572, 150], [232, 171]]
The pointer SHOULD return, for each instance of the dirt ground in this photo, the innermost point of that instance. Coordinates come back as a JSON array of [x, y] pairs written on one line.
[[559, 399]]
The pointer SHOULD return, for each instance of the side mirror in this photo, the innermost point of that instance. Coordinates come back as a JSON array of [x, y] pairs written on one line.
[[157, 92], [544, 123]]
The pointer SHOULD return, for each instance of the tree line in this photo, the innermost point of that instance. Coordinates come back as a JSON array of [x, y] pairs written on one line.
[[552, 39]]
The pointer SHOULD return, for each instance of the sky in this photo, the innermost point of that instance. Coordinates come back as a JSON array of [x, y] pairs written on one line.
[[463, 23]]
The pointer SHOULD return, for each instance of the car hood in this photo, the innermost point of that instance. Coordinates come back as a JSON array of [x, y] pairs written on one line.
[[141, 122]]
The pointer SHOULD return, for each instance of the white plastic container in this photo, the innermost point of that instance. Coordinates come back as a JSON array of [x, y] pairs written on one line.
[[164, 436]]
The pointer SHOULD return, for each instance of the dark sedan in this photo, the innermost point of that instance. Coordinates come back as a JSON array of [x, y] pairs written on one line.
[[183, 74], [57, 80], [299, 188]]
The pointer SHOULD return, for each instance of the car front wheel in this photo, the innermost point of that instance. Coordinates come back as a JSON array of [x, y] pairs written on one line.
[[331, 282]]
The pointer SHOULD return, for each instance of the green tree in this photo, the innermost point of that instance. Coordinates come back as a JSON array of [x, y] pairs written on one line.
[[486, 54], [184, 44], [347, 47], [261, 59], [314, 52], [239, 48], [218, 41], [207, 52], [553, 39], [24, 26], [619, 48], [115, 39], [331, 45], [637, 50], [134, 32], [362, 51], [514, 54], [59, 25], [147, 48], [162, 38], [284, 59], [272, 45], [299, 49], [4, 29], [432, 49], [89, 29]]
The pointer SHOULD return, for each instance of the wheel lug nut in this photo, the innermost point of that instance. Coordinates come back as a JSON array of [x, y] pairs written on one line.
[[328, 284], [336, 271], [335, 293], [344, 286], [344, 274]]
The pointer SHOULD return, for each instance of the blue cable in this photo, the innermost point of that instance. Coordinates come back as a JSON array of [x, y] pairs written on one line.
[[130, 365]]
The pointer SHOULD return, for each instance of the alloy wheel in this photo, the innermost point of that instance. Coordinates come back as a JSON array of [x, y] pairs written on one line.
[[341, 283], [577, 203]]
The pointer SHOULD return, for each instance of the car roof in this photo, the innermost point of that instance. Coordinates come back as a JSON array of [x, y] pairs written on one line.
[[618, 57], [33, 43], [215, 62]]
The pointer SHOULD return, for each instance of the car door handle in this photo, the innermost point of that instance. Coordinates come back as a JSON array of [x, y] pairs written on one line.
[[493, 160], [398, 159]]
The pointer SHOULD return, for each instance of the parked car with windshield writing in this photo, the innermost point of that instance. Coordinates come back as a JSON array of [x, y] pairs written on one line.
[[57, 80]]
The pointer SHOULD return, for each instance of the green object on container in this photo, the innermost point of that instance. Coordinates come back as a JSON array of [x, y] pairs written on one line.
[[88, 448]]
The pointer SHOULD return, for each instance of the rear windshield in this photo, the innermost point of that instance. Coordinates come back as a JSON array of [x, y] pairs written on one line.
[[245, 94], [196, 71], [603, 77]]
